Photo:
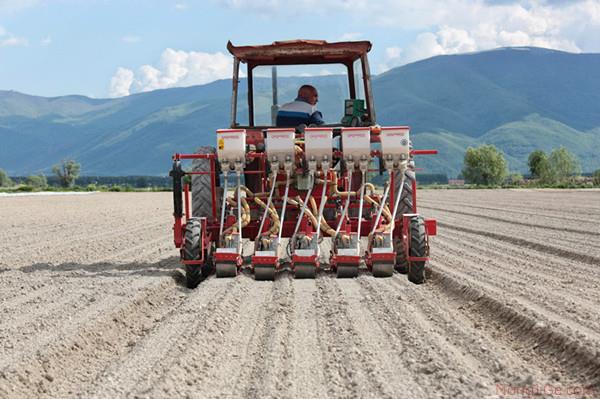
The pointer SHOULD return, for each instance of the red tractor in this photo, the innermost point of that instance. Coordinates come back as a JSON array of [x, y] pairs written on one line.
[[287, 188]]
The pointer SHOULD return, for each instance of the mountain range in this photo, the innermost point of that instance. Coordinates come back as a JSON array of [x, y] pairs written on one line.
[[519, 99]]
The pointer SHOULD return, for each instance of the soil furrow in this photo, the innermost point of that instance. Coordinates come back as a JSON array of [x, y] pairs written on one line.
[[591, 259], [209, 359], [559, 291], [267, 371], [95, 342], [576, 355], [514, 221], [352, 367], [162, 343]]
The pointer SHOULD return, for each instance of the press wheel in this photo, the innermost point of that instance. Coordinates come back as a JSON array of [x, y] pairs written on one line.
[[305, 271], [226, 270], [347, 271], [264, 273], [383, 269]]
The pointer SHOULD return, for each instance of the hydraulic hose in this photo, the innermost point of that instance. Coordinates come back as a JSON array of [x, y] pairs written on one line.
[[381, 205], [267, 206], [323, 225], [303, 209]]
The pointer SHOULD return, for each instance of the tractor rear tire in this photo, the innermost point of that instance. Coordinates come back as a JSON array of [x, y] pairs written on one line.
[[406, 201], [202, 186], [405, 206], [418, 248], [192, 251]]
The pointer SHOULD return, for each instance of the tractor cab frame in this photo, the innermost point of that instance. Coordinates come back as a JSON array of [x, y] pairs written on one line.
[[301, 52]]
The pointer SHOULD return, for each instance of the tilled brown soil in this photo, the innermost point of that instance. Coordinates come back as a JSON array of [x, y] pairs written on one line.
[[92, 304]]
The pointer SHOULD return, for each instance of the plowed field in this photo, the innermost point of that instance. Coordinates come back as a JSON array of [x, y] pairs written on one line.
[[93, 304]]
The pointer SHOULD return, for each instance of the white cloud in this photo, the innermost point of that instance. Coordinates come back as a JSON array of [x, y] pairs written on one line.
[[176, 68], [181, 6], [130, 39], [9, 40], [120, 83], [46, 41], [391, 58], [482, 26], [453, 26]]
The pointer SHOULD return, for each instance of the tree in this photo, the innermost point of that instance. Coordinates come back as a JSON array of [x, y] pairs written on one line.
[[67, 172], [484, 165], [538, 164], [39, 182], [5, 181], [563, 164], [596, 177]]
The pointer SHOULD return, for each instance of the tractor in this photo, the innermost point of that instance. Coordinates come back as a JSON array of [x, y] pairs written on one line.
[[290, 190]]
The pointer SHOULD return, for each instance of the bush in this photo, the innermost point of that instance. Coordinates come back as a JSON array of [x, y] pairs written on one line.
[[596, 177], [515, 179], [5, 181], [484, 165], [37, 182], [25, 189]]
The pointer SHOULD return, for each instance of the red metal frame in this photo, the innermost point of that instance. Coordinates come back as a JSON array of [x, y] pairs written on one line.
[[211, 225]]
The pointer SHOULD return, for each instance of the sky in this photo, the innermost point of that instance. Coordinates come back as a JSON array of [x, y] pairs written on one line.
[[106, 48]]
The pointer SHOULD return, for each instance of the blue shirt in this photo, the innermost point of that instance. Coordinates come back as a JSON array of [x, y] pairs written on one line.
[[298, 112]]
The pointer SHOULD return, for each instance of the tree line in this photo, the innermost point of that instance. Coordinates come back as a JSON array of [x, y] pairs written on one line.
[[66, 176], [486, 165]]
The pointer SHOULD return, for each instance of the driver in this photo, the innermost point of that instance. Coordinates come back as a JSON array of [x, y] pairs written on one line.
[[303, 110]]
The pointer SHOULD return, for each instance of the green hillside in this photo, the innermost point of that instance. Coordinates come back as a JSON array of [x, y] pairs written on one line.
[[516, 139], [518, 99]]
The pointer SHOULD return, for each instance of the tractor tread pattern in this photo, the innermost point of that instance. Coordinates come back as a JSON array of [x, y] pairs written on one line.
[[416, 270], [201, 185], [405, 206], [191, 251]]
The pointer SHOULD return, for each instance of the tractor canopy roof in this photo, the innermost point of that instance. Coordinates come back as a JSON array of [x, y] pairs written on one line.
[[293, 52]]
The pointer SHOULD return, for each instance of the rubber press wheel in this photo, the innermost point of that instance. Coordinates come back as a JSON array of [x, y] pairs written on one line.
[[383, 270], [264, 273], [305, 271], [226, 270], [346, 271], [418, 248]]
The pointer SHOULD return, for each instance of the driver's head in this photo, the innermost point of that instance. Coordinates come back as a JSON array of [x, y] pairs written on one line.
[[309, 94]]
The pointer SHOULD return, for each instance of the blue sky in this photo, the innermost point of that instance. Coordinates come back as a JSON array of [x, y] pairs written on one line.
[[103, 48]]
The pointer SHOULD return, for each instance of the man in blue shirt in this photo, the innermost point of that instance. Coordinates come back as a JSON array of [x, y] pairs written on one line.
[[303, 110]]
